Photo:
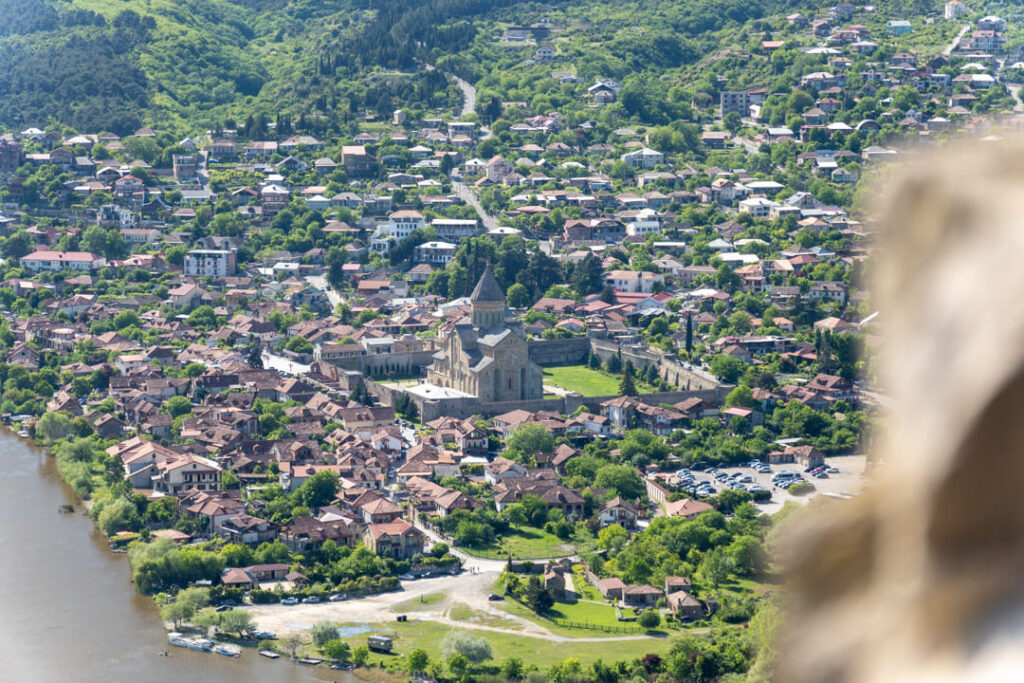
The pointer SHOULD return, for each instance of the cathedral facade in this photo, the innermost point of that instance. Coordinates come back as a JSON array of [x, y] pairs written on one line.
[[488, 357]]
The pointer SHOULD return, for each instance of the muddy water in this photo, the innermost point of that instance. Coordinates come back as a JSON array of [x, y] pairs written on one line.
[[68, 611]]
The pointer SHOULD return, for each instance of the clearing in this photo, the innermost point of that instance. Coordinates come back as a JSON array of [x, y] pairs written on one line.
[[525, 543], [583, 380]]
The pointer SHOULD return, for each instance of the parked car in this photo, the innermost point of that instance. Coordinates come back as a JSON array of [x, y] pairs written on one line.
[[406, 577], [832, 470], [338, 597], [224, 608], [311, 600], [494, 597], [289, 601]]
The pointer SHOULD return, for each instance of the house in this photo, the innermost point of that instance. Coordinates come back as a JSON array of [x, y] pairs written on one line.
[[23, 355], [619, 511], [403, 223], [503, 468], [238, 578], [436, 253], [806, 456], [380, 511], [685, 508], [898, 27], [62, 260], [685, 606], [734, 101], [611, 588], [642, 595], [303, 533], [246, 529], [644, 158], [954, 9], [398, 539], [357, 161], [268, 572], [209, 263]]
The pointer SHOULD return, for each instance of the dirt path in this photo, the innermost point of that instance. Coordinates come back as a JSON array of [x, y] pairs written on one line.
[[468, 589]]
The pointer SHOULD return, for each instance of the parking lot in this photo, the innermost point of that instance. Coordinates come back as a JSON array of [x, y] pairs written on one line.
[[845, 482]]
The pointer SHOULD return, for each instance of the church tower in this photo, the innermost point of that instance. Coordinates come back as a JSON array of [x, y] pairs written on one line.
[[488, 302]]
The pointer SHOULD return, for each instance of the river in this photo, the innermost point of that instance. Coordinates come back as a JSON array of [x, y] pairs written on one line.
[[68, 611]]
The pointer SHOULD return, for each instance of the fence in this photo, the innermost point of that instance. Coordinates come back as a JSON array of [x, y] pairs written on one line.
[[565, 623]]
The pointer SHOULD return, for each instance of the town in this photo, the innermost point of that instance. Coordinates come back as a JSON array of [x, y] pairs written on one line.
[[530, 372]]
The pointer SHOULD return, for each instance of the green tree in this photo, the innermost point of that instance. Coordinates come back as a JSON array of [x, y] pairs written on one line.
[[518, 296], [622, 479], [537, 597], [318, 490], [177, 612], [177, 405], [417, 660], [627, 387], [742, 396], [512, 668], [206, 619], [55, 425], [337, 650], [236, 621], [649, 619], [360, 655], [613, 537], [727, 368], [715, 566], [475, 650], [748, 555], [458, 664], [530, 438], [322, 632]]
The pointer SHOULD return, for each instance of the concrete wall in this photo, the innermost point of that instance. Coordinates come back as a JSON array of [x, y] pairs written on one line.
[[573, 351], [669, 369], [405, 364], [565, 405]]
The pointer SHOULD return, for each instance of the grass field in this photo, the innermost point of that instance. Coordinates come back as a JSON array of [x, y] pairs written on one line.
[[525, 543], [589, 613], [537, 651], [581, 379]]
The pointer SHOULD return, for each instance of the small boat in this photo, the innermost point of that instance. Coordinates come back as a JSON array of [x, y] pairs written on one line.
[[22, 433], [269, 654], [228, 650], [312, 661], [177, 640], [200, 644]]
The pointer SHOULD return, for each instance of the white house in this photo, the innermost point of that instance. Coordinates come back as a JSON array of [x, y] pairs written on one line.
[[62, 260], [403, 223], [644, 158], [209, 262]]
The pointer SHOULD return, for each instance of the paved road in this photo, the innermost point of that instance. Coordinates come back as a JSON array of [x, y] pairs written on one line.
[[1014, 89], [275, 362], [468, 95], [468, 196], [320, 282], [956, 41]]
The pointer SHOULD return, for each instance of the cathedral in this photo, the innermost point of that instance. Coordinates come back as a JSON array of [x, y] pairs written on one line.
[[488, 358]]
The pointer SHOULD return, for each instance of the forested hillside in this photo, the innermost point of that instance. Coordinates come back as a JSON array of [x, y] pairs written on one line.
[[196, 64]]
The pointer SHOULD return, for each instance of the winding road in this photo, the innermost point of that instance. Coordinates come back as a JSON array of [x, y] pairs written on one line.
[[468, 95], [956, 41], [467, 195]]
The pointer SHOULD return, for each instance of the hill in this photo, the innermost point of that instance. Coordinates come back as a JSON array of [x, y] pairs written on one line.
[[188, 65]]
